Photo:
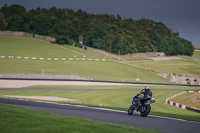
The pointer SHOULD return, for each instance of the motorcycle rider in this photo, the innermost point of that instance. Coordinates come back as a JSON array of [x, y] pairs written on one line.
[[147, 94]]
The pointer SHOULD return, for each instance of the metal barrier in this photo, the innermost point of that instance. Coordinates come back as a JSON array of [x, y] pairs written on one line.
[[40, 76]]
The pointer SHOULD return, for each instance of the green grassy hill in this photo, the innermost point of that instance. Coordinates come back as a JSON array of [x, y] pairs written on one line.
[[23, 46], [101, 70]]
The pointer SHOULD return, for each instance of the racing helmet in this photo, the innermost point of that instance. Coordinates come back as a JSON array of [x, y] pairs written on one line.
[[147, 87]]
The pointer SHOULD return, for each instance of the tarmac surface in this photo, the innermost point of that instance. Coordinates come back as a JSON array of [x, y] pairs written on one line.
[[111, 116]]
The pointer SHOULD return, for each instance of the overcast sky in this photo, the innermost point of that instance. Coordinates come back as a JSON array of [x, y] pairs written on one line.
[[179, 15]]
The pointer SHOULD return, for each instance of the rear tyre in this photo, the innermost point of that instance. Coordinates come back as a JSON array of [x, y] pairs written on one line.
[[130, 110], [146, 111]]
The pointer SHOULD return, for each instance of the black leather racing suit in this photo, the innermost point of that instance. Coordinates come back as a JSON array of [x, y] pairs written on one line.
[[146, 92]]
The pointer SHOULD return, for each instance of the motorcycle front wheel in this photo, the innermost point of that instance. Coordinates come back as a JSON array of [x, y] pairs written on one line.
[[146, 111], [130, 110]]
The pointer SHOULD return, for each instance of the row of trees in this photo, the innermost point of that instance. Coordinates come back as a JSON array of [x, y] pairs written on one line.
[[107, 32]]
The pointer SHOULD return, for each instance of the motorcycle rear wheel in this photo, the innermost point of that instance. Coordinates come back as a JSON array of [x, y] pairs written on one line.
[[146, 111]]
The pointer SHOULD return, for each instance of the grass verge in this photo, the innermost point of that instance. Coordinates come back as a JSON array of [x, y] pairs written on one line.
[[20, 120], [97, 70]]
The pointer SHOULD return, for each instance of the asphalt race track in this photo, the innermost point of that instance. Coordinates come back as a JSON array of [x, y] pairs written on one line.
[[111, 116]]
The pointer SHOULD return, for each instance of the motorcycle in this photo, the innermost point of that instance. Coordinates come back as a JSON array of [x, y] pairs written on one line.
[[141, 106]]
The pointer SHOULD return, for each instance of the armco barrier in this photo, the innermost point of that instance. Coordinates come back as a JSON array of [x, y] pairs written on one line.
[[40, 76], [167, 101]]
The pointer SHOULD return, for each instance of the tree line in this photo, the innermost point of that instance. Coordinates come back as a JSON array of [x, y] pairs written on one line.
[[102, 31]]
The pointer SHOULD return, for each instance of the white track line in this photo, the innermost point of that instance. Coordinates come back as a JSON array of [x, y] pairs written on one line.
[[55, 59]]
